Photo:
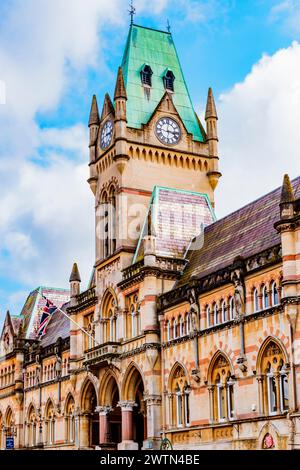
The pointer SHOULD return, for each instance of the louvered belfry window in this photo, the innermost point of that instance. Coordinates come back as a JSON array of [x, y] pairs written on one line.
[[146, 75], [169, 79]]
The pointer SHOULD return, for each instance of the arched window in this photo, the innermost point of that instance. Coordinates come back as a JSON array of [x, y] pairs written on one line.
[[265, 297], [70, 420], [255, 301], [174, 328], [274, 380], [222, 388], [146, 75], [179, 398], [181, 326], [112, 220], [169, 79], [231, 308], [105, 235], [50, 424], [223, 310], [133, 327], [109, 319], [168, 330], [275, 294], [216, 315], [31, 428], [90, 329], [187, 323], [9, 423], [208, 317]]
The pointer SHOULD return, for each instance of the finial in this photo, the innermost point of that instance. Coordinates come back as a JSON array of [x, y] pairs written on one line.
[[132, 11], [168, 26], [287, 193], [75, 276]]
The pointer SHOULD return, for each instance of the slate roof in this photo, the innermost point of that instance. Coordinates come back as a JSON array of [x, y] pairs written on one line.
[[58, 327], [245, 232], [156, 49], [34, 304], [176, 217]]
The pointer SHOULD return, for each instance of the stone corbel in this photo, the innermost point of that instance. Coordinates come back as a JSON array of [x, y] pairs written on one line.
[[196, 376], [241, 362], [291, 314]]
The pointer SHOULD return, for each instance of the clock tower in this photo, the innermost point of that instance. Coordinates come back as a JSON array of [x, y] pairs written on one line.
[[148, 136]]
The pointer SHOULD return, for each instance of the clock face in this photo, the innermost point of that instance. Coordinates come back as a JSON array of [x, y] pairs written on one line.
[[106, 134], [168, 131]]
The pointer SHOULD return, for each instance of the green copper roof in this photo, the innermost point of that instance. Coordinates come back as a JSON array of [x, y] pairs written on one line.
[[157, 49]]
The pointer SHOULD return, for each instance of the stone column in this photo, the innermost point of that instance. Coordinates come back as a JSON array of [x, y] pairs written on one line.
[[260, 395], [211, 403], [127, 426], [103, 423], [153, 438], [84, 431]]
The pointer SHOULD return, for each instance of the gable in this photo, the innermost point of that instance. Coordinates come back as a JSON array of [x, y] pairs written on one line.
[[157, 49], [177, 216]]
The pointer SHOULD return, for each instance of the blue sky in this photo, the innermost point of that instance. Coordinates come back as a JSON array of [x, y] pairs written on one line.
[[54, 54]]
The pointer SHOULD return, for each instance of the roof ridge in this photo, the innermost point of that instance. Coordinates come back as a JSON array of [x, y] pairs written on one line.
[[251, 203], [152, 29]]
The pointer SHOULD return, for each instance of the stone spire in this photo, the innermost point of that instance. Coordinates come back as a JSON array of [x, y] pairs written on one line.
[[75, 276], [94, 114], [75, 281], [120, 90], [287, 193], [211, 111], [287, 199]]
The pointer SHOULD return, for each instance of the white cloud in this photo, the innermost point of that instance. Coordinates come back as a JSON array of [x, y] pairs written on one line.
[[288, 12], [46, 206], [259, 130]]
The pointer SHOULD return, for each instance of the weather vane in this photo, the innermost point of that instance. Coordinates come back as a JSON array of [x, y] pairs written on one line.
[[168, 26], [132, 11]]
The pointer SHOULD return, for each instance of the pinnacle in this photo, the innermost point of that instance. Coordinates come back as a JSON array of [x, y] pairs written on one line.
[[75, 276], [211, 111], [94, 114], [120, 90]]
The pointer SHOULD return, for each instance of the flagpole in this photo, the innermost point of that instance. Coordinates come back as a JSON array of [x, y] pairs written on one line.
[[71, 319]]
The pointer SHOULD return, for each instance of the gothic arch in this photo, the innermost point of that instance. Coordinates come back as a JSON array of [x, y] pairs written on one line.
[[263, 348], [108, 384], [213, 361], [176, 366], [70, 398], [87, 389], [133, 377], [270, 429], [49, 404], [9, 416], [108, 294], [30, 408]]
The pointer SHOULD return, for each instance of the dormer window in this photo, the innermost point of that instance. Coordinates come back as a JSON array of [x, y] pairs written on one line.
[[146, 75], [169, 79]]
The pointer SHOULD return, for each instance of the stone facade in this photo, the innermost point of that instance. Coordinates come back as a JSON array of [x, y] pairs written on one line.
[[201, 349]]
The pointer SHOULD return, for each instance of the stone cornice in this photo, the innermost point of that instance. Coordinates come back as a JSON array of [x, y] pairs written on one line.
[[219, 278], [140, 350], [224, 326]]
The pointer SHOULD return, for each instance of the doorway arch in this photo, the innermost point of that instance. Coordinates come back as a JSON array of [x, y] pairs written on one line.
[[133, 391], [110, 399], [88, 407]]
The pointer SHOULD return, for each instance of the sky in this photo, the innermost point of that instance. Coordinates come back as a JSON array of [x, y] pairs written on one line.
[[54, 54]]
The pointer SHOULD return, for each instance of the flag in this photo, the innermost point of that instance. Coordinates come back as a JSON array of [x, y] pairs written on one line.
[[47, 312]]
